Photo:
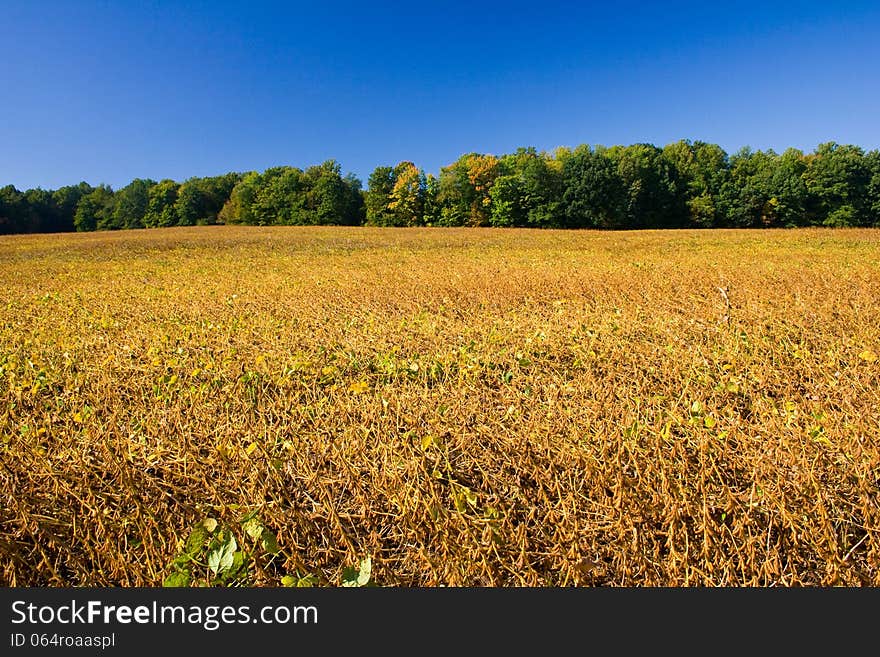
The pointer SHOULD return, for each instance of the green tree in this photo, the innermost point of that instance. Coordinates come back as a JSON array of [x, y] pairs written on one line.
[[464, 190], [12, 210], [788, 203], [872, 161], [65, 200], [746, 195], [355, 212], [161, 210], [131, 204], [837, 178], [594, 194], [653, 196], [407, 201], [432, 203], [455, 194], [287, 195], [95, 210], [39, 212], [239, 208], [281, 197], [531, 192], [200, 200], [702, 170], [332, 199], [328, 197], [507, 201], [378, 196]]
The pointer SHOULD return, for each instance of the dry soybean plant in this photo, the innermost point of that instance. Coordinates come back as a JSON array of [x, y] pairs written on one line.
[[421, 407]]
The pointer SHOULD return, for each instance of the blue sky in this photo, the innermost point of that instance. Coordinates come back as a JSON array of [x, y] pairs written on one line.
[[110, 91]]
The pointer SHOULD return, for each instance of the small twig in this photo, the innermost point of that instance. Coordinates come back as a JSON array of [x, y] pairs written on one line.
[[853, 548], [726, 317]]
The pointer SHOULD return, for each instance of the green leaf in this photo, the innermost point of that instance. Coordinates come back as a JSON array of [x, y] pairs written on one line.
[[222, 558], [349, 576], [358, 577], [365, 571], [462, 496], [253, 527], [182, 560], [248, 516], [460, 499], [214, 560], [470, 496], [307, 582], [176, 579], [196, 540], [239, 560], [293, 581], [269, 542]]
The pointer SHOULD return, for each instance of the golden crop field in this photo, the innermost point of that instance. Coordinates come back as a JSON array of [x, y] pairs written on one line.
[[268, 406]]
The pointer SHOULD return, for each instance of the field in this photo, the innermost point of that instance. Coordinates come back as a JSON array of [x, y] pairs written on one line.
[[319, 406]]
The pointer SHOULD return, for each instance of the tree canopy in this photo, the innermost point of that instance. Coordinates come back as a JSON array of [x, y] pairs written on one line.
[[682, 185]]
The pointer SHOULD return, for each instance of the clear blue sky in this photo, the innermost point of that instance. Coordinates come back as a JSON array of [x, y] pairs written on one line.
[[109, 91]]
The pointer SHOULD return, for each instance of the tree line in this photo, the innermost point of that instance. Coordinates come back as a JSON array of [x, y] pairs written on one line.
[[684, 184]]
